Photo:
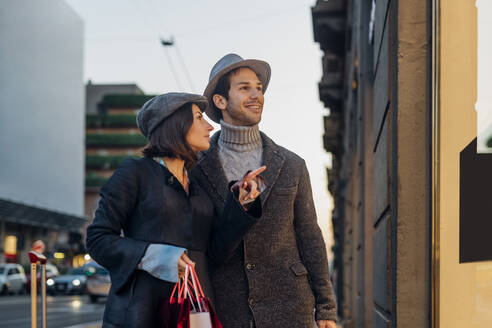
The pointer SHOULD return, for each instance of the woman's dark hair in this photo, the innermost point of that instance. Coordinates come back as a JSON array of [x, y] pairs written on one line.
[[169, 137]]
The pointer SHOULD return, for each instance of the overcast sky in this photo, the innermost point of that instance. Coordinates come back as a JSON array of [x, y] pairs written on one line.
[[122, 45]]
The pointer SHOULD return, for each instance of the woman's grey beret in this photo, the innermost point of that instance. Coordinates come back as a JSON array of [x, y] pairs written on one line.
[[157, 109]]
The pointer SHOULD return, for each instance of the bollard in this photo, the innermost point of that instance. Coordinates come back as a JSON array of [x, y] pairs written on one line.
[[37, 259]]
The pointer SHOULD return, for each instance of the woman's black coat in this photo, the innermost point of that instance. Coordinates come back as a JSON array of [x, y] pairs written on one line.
[[142, 204]]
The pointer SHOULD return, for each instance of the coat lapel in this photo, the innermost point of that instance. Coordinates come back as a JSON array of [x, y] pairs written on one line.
[[274, 162], [211, 167]]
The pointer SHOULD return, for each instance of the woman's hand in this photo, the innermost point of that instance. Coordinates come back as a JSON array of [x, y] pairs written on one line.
[[182, 262], [249, 186]]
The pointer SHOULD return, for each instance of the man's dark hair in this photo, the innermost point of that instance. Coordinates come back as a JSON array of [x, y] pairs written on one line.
[[223, 86], [169, 137]]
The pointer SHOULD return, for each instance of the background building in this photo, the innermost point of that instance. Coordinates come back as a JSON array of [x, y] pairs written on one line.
[[376, 85], [462, 219], [111, 136], [411, 172], [41, 119], [94, 93]]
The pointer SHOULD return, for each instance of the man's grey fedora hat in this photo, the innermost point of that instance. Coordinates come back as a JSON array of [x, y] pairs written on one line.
[[226, 64], [159, 108]]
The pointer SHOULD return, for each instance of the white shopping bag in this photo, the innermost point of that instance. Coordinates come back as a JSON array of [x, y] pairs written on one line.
[[199, 315], [200, 320]]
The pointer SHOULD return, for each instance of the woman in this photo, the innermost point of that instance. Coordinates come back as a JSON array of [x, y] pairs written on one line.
[[150, 213]]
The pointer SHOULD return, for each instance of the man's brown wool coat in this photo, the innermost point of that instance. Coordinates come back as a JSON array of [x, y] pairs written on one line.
[[279, 275]]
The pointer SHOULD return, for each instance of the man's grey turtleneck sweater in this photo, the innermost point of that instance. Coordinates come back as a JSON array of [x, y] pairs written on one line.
[[240, 149]]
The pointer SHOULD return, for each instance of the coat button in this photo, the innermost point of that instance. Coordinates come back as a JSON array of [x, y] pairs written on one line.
[[250, 266], [251, 302]]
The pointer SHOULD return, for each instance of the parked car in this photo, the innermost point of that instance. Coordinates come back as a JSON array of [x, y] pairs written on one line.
[[98, 281], [51, 272], [71, 283], [12, 279]]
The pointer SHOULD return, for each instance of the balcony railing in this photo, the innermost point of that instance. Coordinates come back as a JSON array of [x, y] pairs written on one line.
[[329, 25], [94, 180], [120, 120], [125, 101], [114, 140], [332, 135], [105, 162]]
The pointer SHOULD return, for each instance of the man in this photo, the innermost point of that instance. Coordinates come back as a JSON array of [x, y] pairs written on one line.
[[279, 276]]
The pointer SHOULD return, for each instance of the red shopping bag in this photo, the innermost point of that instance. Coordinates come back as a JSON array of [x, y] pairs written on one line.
[[190, 309], [173, 310]]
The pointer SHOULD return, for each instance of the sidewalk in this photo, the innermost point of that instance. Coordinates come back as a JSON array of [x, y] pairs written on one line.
[[94, 324], [98, 324]]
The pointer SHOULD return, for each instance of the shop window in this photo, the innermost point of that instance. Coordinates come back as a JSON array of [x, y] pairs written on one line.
[[476, 158], [483, 105]]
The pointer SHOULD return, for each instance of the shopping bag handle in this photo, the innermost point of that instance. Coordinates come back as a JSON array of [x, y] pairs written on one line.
[[195, 289], [181, 289], [192, 303], [176, 286], [184, 290], [194, 277]]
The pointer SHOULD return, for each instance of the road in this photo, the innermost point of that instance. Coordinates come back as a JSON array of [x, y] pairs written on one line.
[[63, 312]]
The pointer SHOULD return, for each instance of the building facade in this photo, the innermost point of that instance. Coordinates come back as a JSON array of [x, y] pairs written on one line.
[[408, 89], [375, 84], [111, 136], [42, 124], [462, 115], [94, 93], [42, 105]]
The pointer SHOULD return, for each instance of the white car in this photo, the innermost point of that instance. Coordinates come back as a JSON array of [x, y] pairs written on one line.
[[98, 281], [73, 282], [12, 279]]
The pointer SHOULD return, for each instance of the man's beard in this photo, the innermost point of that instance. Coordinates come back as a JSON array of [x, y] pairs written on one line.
[[242, 118]]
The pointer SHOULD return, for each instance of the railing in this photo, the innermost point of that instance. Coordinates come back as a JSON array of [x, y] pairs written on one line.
[[94, 180], [115, 140], [120, 120], [105, 162], [125, 101]]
